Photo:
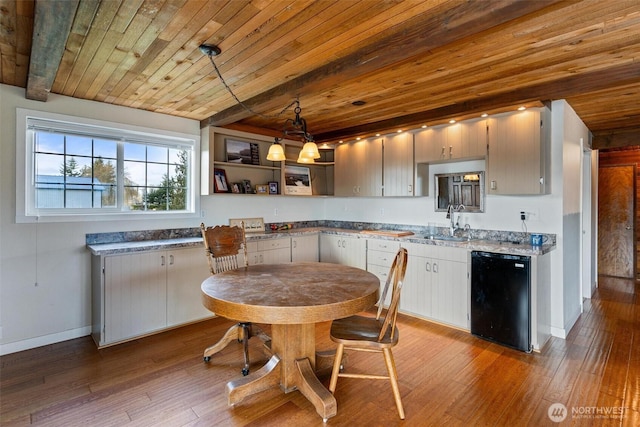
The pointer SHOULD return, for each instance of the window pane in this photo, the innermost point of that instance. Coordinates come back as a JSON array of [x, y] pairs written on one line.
[[49, 142], [78, 146], [156, 199], [134, 151], [177, 156], [134, 173], [108, 196], [49, 164], [104, 171], [157, 154], [78, 166], [133, 198], [156, 174], [105, 148]]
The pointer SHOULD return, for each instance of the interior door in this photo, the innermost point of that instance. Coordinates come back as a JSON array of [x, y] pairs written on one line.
[[616, 207]]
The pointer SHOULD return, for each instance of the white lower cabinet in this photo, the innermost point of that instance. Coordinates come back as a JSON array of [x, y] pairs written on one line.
[[340, 249], [380, 256], [269, 251], [436, 284], [138, 293], [186, 271], [305, 248]]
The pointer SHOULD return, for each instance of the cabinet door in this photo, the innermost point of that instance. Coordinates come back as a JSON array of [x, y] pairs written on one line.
[[473, 139], [370, 178], [346, 169], [398, 165], [305, 248], [431, 145], [329, 246], [135, 294], [186, 270], [274, 251], [353, 252], [343, 250], [358, 168], [515, 157]]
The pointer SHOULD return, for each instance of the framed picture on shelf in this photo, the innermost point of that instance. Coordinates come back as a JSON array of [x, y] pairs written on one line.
[[247, 153], [248, 188], [237, 187], [220, 181], [262, 189], [273, 187], [297, 180]]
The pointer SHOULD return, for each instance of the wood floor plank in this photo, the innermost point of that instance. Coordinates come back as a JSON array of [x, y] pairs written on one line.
[[446, 377]]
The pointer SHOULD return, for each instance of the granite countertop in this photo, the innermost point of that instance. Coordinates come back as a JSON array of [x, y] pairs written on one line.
[[489, 245]]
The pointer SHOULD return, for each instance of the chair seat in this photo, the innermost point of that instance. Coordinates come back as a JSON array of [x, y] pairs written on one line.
[[361, 331]]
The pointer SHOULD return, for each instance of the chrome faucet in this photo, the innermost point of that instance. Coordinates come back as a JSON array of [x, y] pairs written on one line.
[[453, 223]]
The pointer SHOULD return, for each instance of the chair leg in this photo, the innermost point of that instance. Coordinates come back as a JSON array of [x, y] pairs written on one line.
[[393, 377], [232, 334], [336, 368]]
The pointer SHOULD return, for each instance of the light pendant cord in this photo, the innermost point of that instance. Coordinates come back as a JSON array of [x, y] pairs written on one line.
[[246, 107]]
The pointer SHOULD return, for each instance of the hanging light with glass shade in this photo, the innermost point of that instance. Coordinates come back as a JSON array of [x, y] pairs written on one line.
[[276, 152]]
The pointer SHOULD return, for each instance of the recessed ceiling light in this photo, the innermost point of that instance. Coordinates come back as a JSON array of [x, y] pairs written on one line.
[[522, 108], [358, 103], [358, 138], [424, 126], [377, 134], [484, 115], [399, 131], [452, 121]]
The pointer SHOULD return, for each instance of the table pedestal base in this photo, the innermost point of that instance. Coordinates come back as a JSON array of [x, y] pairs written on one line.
[[294, 354]]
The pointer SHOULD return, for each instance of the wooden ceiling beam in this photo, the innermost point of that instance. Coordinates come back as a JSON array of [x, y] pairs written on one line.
[[52, 23], [625, 137], [416, 37], [558, 89]]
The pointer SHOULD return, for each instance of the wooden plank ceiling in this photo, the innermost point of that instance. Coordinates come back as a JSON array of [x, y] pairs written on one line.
[[410, 62]]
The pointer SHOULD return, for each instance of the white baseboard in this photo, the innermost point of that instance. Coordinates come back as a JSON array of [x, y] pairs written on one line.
[[14, 347]]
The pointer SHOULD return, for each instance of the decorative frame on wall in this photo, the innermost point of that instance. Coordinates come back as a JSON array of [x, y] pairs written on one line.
[[221, 184], [297, 180], [247, 153]]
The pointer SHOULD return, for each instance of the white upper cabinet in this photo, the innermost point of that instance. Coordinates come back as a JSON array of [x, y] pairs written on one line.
[[398, 165], [517, 157], [358, 168], [458, 141]]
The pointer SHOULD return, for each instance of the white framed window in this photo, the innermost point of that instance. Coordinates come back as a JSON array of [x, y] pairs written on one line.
[[81, 169]]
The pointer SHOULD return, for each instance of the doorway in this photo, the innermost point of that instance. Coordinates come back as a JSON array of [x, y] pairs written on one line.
[[616, 225]]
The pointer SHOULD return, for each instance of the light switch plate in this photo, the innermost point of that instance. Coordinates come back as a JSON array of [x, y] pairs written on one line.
[[251, 225]]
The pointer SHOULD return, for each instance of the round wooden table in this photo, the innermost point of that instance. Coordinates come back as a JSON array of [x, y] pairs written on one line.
[[292, 298]]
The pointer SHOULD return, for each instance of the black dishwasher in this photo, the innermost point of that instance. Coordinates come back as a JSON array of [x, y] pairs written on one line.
[[500, 298]]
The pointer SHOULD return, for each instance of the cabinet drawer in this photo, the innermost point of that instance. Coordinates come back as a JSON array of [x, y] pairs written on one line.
[[381, 272], [383, 245], [269, 244], [383, 259]]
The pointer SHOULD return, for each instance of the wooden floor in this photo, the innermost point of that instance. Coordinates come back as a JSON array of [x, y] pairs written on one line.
[[447, 377]]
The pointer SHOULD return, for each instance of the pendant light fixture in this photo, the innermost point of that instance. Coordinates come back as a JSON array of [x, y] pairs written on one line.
[[296, 127], [276, 152]]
